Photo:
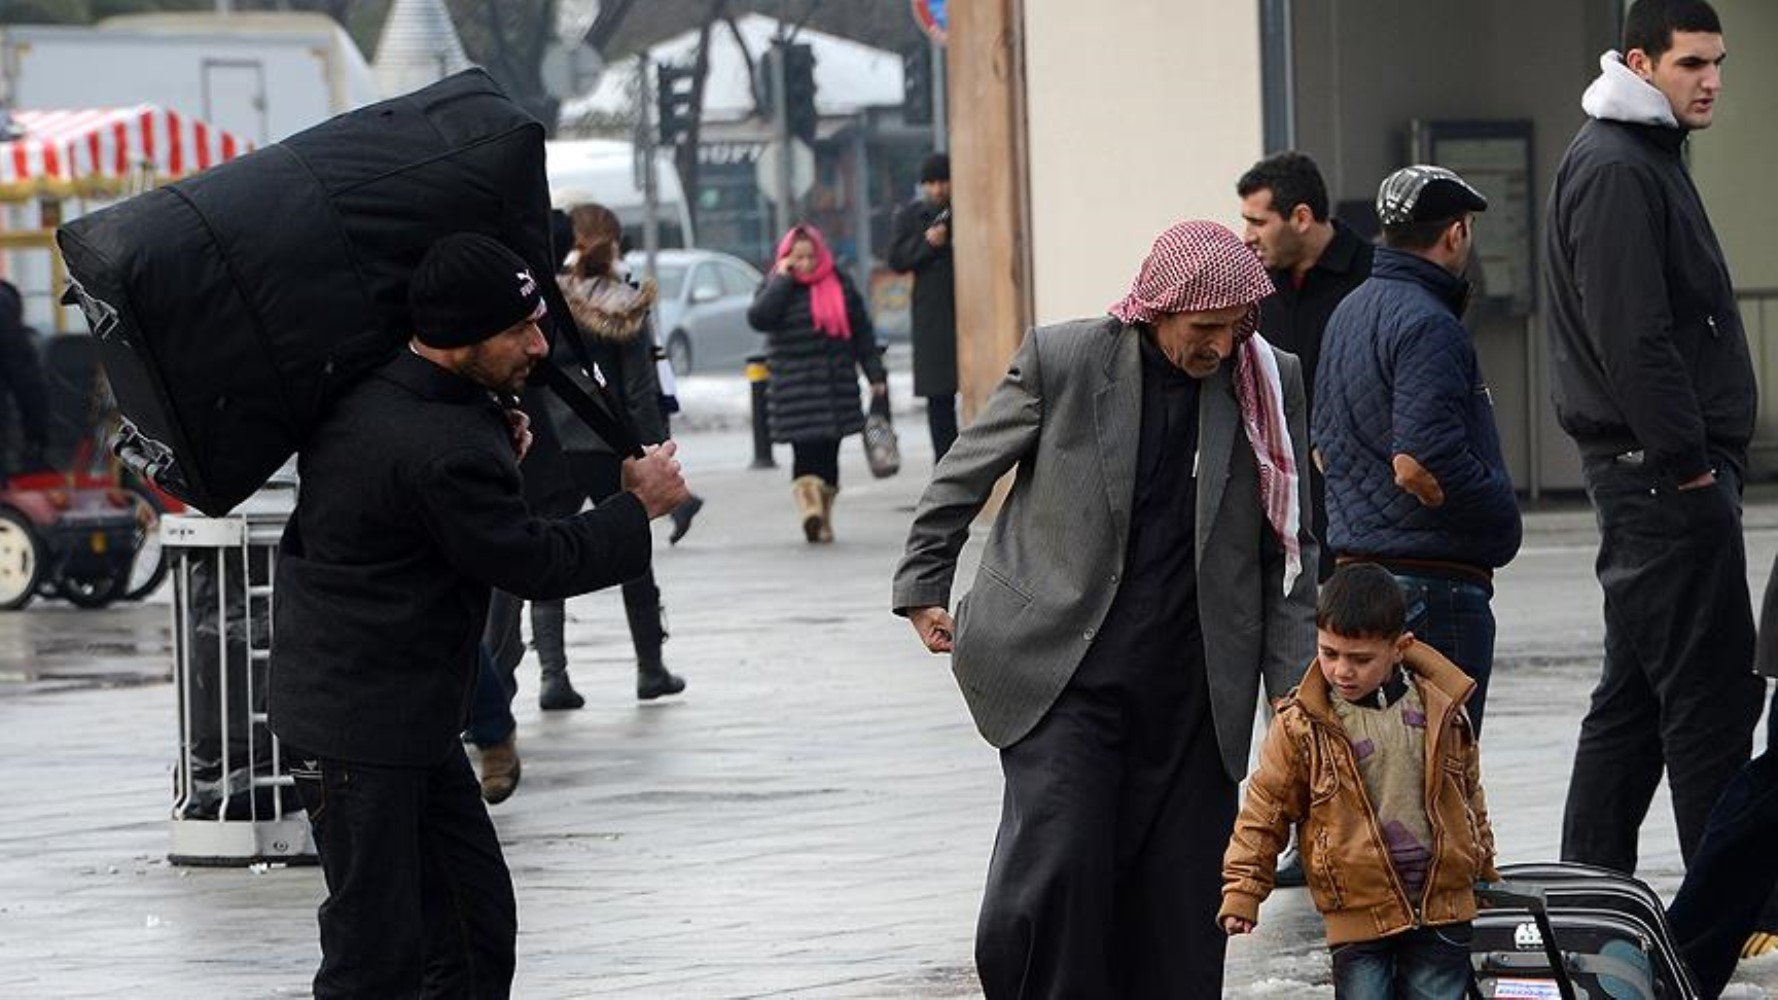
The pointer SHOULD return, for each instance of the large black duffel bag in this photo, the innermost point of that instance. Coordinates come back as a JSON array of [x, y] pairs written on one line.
[[232, 307]]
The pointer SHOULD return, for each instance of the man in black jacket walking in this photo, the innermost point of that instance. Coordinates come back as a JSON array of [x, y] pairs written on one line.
[[1654, 383], [411, 510], [921, 244]]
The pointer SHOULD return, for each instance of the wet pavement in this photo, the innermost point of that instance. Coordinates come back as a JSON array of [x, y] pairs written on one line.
[[812, 818]]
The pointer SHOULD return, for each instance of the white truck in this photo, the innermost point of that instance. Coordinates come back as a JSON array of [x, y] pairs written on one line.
[[607, 172], [259, 76]]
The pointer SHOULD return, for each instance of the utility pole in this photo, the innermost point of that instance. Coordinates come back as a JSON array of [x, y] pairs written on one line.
[[781, 123], [645, 147], [940, 123]]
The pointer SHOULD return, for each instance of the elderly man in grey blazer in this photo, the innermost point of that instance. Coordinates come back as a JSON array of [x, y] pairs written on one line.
[[1144, 576]]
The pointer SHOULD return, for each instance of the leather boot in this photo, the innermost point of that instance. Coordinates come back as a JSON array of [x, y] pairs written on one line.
[[807, 491], [653, 680], [557, 693], [500, 771], [642, 607], [828, 492], [548, 620]]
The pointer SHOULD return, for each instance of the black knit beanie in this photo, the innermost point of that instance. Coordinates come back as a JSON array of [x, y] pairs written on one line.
[[468, 288]]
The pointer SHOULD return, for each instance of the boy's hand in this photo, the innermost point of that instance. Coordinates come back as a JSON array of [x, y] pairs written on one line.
[[1232, 925]]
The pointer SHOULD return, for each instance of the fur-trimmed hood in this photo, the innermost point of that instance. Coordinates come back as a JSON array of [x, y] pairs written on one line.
[[608, 308]]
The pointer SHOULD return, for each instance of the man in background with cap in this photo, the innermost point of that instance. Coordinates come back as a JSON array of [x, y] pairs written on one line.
[[1404, 425], [1151, 565], [921, 244], [411, 510], [1654, 382]]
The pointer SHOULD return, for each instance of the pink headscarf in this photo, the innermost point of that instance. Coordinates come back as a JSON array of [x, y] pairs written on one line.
[[827, 299], [1202, 266]]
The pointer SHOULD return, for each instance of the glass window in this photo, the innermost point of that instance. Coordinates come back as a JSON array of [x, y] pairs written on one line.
[[738, 280], [704, 281], [671, 278]]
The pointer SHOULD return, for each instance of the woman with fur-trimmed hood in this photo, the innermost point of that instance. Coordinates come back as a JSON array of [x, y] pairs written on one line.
[[612, 314]]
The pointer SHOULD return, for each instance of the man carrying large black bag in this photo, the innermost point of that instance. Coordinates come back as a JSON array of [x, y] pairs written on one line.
[[411, 511]]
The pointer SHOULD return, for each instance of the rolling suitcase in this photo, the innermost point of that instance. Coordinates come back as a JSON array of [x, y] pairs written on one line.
[[231, 308], [1573, 932]]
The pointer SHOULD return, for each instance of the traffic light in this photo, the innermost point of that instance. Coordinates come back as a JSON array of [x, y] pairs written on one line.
[[916, 85], [799, 91], [672, 101]]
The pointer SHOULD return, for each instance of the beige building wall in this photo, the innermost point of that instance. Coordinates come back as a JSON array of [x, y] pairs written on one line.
[[1732, 165], [1139, 113], [1732, 160]]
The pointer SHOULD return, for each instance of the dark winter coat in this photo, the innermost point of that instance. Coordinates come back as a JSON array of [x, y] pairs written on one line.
[[935, 296], [410, 511], [626, 359], [22, 385], [814, 387], [1646, 340], [1399, 376]]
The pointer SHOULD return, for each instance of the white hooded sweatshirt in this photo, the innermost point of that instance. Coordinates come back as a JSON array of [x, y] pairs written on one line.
[[1619, 95]]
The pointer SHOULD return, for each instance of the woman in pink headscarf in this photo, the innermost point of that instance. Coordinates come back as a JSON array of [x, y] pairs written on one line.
[[818, 337]]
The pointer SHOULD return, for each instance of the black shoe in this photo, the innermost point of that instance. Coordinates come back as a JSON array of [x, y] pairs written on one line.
[[558, 694], [655, 680], [1290, 869], [682, 516]]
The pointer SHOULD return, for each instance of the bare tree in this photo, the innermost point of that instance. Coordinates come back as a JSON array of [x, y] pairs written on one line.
[[509, 38]]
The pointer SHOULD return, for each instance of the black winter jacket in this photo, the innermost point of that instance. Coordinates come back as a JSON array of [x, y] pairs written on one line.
[[935, 296], [1646, 341], [410, 511], [814, 387]]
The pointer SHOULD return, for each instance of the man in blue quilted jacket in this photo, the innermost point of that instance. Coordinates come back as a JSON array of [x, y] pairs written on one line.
[[1403, 425]]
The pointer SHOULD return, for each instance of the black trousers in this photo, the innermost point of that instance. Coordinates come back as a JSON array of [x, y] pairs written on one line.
[[816, 458], [1677, 692], [941, 420], [419, 900], [600, 475], [1107, 870]]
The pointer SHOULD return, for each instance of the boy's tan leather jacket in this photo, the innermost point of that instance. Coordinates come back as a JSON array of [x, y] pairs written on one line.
[[1308, 775]]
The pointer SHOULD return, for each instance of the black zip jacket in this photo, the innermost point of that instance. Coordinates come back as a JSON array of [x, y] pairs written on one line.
[[410, 510], [1646, 341]]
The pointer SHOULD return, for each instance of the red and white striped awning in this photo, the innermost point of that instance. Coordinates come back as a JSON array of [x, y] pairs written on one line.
[[104, 150]]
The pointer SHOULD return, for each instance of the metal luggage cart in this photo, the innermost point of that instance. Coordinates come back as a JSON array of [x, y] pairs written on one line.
[[234, 802]]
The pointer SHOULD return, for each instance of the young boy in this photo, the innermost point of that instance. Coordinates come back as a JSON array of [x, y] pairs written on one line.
[[1392, 852]]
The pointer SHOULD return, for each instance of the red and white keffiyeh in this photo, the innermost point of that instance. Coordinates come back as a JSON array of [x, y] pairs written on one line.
[[1201, 266]]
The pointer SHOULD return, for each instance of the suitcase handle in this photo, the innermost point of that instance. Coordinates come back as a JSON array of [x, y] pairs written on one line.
[[1532, 897]]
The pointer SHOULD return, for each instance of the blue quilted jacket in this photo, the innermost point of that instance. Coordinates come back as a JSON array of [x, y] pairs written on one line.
[[1398, 375]]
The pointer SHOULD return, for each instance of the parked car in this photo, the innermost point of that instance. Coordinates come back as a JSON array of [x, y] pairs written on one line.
[[703, 310]]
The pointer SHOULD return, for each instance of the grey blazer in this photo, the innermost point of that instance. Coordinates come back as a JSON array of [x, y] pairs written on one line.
[[1067, 416]]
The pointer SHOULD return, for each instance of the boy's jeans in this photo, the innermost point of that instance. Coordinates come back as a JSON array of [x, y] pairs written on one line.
[[1426, 963]]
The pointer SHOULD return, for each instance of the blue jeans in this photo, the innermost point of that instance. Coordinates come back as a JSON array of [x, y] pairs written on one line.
[[1426, 963], [490, 709], [1457, 619]]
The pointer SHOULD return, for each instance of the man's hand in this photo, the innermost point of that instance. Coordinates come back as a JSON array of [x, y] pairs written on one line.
[[1707, 479], [518, 423], [655, 479], [1232, 925], [939, 235], [934, 626], [1410, 475]]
